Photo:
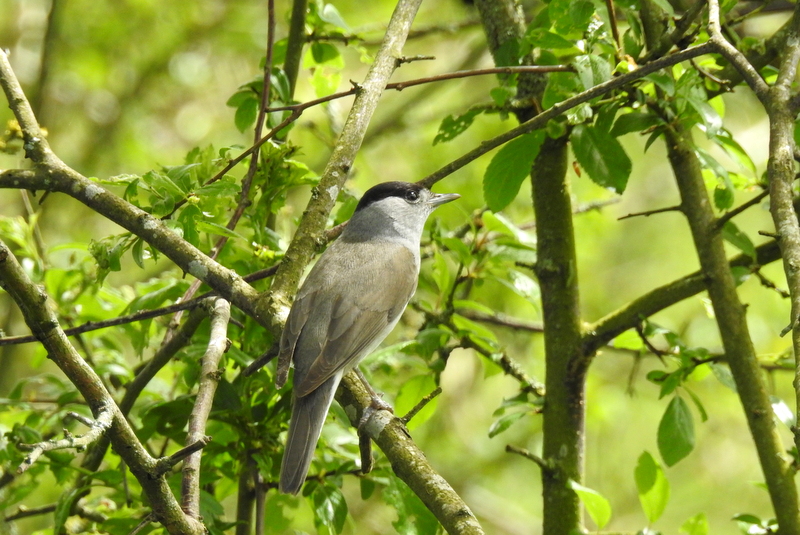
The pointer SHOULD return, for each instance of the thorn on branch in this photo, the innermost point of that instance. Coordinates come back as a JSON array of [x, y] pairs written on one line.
[[96, 429]]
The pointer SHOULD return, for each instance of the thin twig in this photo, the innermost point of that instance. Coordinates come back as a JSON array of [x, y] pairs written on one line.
[[544, 465], [24, 512], [421, 405], [612, 18], [96, 428], [399, 86], [724, 218], [503, 321], [509, 366], [165, 464], [648, 213]]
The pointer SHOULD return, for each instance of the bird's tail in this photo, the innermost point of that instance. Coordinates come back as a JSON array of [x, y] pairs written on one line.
[[308, 415]]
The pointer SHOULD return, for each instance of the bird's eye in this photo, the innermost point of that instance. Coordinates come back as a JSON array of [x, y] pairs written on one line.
[[412, 196]]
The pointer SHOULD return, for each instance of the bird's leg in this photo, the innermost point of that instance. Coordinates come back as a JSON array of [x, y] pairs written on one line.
[[376, 402]]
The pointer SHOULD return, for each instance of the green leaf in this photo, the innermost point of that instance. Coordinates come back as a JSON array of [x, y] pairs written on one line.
[[455, 125], [138, 252], [592, 70], [504, 422], [723, 197], [633, 122], [64, 507], [735, 151], [540, 37], [219, 230], [596, 505], [330, 507], [697, 525], [737, 238], [331, 15], [676, 432], [324, 52], [508, 169], [652, 485], [410, 395], [602, 157], [441, 273], [246, 114]]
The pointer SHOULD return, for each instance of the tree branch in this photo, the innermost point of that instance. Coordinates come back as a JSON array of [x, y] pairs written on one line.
[[219, 316], [96, 428], [408, 461]]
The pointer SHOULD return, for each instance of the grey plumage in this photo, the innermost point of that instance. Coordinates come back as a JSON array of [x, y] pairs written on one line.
[[349, 303]]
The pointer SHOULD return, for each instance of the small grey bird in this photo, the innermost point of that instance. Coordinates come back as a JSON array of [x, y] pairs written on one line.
[[348, 304]]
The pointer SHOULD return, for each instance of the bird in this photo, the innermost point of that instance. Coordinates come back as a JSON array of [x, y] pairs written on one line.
[[350, 301]]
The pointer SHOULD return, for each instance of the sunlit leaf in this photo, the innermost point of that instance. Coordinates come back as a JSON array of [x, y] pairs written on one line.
[[652, 485], [596, 505]]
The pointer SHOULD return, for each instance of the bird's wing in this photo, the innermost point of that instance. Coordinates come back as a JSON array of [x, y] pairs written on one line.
[[353, 324]]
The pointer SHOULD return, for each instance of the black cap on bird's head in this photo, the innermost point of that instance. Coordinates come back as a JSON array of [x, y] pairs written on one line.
[[408, 191], [404, 190]]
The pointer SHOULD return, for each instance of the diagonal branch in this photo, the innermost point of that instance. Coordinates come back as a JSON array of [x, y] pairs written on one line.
[[541, 120]]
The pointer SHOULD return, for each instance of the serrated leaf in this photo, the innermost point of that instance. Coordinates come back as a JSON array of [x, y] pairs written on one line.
[[508, 169], [592, 70], [633, 122], [737, 238], [652, 485], [330, 507], [676, 432], [455, 125], [602, 157], [596, 505]]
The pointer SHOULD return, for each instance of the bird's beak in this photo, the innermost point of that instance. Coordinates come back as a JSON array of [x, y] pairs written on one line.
[[440, 198]]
